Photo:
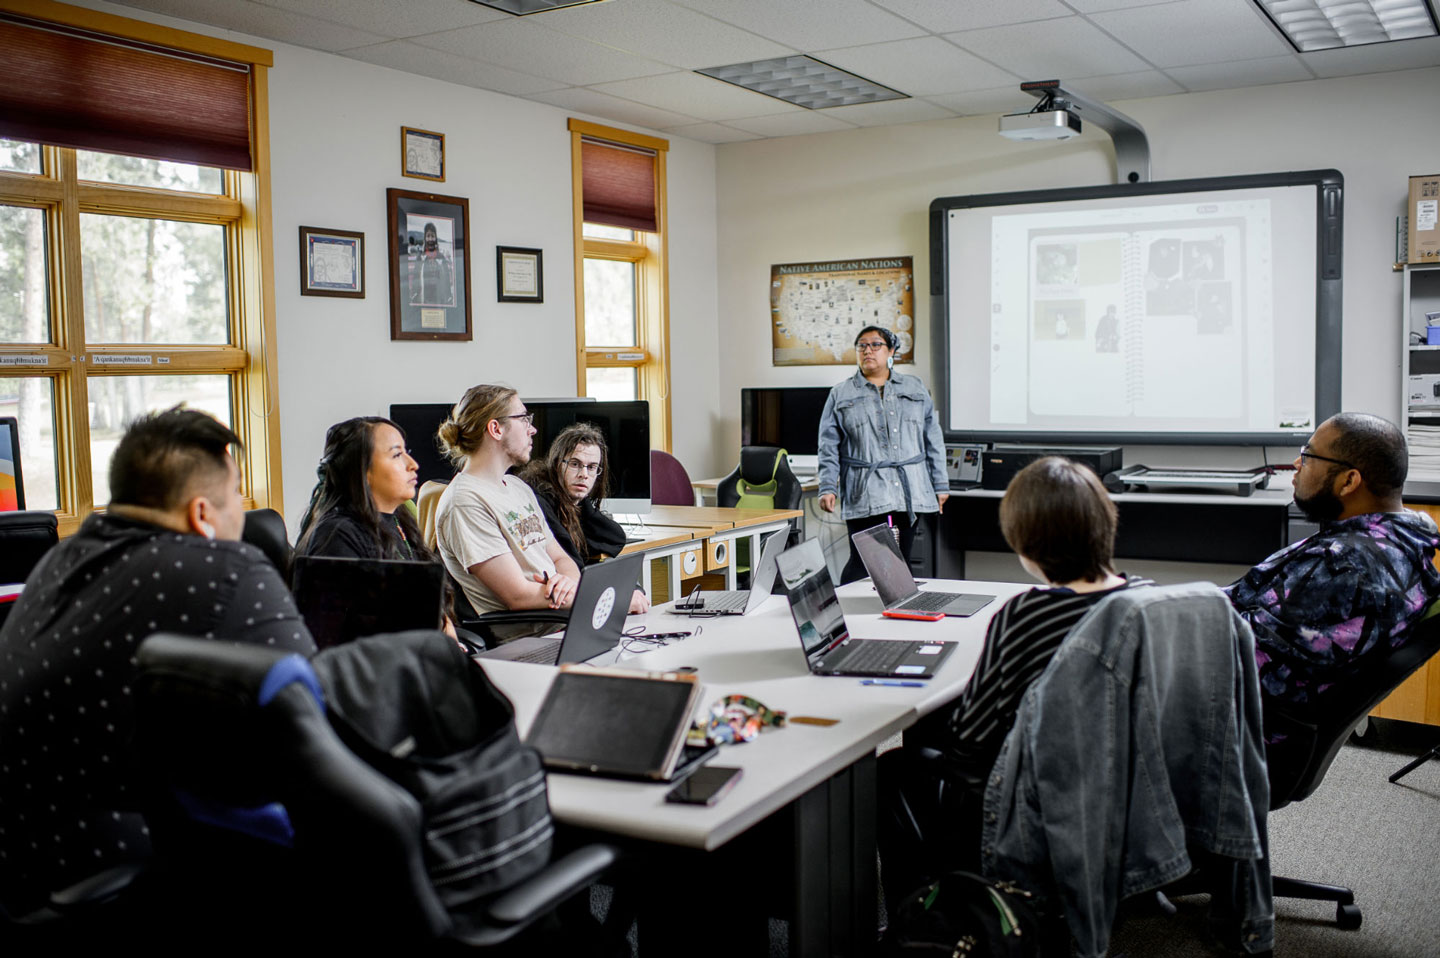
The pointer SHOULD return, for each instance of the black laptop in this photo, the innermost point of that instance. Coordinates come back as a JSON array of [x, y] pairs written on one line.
[[738, 601], [597, 617], [827, 643], [345, 599], [897, 587]]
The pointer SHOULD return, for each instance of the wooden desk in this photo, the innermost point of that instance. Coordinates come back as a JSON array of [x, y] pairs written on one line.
[[722, 527], [666, 544], [802, 818]]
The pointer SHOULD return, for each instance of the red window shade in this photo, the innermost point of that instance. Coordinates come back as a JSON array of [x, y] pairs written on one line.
[[66, 86], [618, 184]]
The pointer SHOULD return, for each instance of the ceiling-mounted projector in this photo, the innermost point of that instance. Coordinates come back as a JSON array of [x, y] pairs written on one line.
[[1040, 125]]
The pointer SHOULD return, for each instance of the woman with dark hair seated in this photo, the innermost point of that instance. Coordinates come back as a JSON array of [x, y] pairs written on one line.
[[570, 483], [358, 509], [1061, 523]]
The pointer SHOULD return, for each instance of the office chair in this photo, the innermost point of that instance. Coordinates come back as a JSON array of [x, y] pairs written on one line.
[[262, 815], [669, 482], [762, 480], [1313, 739], [427, 501], [25, 537], [265, 530]]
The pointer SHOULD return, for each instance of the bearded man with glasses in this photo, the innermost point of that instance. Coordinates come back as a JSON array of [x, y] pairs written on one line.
[[1322, 608]]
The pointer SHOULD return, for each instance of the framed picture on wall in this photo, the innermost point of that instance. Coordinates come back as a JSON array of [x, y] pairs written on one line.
[[519, 275], [422, 154], [332, 262], [429, 257]]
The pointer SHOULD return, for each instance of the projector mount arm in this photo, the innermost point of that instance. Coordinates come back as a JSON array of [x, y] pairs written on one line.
[[1132, 149]]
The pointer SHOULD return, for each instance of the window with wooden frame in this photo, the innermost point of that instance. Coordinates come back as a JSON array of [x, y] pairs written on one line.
[[622, 300], [135, 254]]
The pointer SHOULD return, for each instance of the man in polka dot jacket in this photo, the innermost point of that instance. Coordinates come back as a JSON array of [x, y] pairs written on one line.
[[164, 557]]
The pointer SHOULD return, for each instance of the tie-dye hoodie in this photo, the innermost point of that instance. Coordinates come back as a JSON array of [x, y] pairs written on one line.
[[1319, 607]]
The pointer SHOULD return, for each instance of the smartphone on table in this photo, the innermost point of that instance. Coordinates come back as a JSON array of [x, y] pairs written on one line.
[[705, 786]]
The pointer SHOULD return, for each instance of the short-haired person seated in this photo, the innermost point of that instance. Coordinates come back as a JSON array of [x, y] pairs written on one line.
[[1323, 608], [1058, 518], [489, 527], [165, 556], [357, 510], [570, 483]]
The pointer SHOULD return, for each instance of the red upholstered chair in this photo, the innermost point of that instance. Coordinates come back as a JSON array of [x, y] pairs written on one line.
[[669, 483]]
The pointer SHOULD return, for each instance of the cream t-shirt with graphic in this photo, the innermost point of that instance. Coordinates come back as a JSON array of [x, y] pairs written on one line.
[[479, 519]]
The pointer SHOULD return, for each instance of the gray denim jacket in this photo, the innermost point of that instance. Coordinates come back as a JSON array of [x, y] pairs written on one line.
[[871, 448], [1139, 744]]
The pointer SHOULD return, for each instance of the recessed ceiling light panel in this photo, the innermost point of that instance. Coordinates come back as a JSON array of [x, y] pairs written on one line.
[[803, 81], [524, 7], [1312, 25]]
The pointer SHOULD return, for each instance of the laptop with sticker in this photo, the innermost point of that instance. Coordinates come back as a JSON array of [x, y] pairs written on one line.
[[597, 617], [824, 637]]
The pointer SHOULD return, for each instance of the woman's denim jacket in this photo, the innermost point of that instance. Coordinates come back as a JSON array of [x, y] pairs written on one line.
[[882, 455], [1139, 744]]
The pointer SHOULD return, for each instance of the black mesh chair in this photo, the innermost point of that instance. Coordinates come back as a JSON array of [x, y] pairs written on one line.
[[25, 537], [229, 735], [265, 529], [1298, 765]]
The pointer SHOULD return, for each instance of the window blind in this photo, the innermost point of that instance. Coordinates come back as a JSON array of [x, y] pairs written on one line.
[[72, 87], [618, 184]]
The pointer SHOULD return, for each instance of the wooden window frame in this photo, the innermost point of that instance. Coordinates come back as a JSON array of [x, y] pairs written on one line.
[[649, 356], [244, 210]]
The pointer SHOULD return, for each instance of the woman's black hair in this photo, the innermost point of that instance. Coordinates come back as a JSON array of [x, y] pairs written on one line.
[[343, 484], [892, 342]]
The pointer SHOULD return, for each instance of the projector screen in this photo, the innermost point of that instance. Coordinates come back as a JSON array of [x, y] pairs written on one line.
[[1194, 311]]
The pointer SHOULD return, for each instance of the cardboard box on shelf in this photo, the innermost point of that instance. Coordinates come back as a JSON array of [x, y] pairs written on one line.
[[1423, 211]]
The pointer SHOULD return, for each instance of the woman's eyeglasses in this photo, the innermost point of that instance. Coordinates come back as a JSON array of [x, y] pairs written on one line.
[[868, 347], [583, 468]]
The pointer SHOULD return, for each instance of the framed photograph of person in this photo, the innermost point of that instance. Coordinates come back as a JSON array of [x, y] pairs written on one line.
[[332, 262], [429, 265], [519, 275], [422, 154]]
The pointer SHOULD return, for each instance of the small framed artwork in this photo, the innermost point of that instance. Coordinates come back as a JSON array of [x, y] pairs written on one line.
[[519, 275], [422, 154], [332, 262], [429, 256]]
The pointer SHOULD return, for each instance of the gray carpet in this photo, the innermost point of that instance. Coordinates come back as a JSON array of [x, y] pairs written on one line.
[[1357, 830]]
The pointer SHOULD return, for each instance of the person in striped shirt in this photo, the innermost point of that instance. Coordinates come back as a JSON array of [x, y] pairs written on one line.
[[1059, 520]]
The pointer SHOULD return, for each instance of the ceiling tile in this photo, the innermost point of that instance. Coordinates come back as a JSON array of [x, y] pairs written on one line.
[[791, 124], [918, 67], [663, 31], [696, 95], [1095, 6], [527, 47], [1238, 73], [889, 111], [711, 133], [1049, 49], [404, 55], [809, 24], [943, 16], [396, 20], [613, 108], [1194, 31], [1377, 58], [1006, 99], [259, 20], [1127, 86]]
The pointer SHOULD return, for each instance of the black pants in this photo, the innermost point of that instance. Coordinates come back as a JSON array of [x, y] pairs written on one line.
[[855, 569]]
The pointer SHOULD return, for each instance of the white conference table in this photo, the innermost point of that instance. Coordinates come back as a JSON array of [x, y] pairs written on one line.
[[823, 777]]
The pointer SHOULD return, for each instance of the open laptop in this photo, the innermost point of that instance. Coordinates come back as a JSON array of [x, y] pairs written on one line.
[[597, 617], [738, 601], [828, 645], [898, 588], [344, 599]]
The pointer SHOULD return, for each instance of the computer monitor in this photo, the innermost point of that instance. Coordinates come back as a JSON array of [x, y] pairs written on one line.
[[12, 484], [626, 426], [788, 417]]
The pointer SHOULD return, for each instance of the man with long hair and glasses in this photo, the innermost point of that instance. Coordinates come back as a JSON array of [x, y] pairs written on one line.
[[570, 483], [1324, 607]]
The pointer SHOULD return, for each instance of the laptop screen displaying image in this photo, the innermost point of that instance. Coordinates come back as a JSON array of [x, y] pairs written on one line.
[[813, 601]]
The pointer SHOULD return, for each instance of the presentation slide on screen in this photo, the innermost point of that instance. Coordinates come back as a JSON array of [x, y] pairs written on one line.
[[1186, 312]]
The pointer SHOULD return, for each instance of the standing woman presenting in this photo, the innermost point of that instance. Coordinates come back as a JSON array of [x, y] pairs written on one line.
[[881, 450]]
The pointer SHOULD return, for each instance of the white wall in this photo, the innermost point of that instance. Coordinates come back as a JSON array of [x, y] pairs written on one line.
[[865, 193]]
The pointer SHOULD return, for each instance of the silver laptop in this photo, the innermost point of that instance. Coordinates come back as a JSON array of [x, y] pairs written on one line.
[[597, 616], [829, 648], [898, 588], [738, 601]]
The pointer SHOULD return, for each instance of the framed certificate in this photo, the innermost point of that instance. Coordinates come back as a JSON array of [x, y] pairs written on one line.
[[332, 262], [519, 275], [422, 154]]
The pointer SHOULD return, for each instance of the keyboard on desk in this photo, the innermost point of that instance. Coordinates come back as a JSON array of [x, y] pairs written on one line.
[[541, 655], [926, 602], [879, 657]]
